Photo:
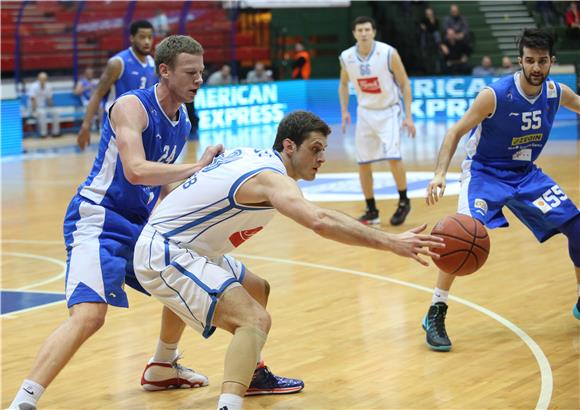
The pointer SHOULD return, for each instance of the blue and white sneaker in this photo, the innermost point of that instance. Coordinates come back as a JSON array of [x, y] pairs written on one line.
[[434, 326], [576, 310], [265, 382]]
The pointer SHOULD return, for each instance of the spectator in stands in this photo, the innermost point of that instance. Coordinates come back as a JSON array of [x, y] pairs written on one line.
[[456, 54], [547, 12], [301, 66], [259, 74], [85, 88], [221, 77], [458, 23], [42, 106], [573, 21], [429, 25], [485, 69], [161, 24], [506, 66]]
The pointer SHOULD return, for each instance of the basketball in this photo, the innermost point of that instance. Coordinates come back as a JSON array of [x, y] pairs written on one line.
[[466, 244]]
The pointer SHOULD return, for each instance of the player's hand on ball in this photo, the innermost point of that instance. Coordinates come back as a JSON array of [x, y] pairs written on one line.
[[435, 190], [412, 243]]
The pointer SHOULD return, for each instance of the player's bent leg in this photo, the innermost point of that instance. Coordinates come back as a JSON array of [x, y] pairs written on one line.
[[84, 321], [257, 287], [163, 371], [572, 231], [263, 380], [240, 314], [434, 321]]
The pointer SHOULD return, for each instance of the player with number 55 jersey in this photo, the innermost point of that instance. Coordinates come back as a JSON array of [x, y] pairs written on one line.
[[508, 125]]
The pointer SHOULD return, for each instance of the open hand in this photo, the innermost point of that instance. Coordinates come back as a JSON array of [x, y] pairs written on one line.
[[412, 243]]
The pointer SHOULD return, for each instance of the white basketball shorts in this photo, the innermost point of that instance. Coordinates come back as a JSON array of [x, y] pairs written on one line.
[[189, 284], [378, 134]]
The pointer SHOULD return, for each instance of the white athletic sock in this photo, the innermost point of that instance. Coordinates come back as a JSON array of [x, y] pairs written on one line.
[[166, 352], [29, 392], [440, 296], [229, 401]]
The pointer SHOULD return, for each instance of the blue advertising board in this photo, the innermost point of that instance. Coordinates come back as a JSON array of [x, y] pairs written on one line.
[[240, 108]]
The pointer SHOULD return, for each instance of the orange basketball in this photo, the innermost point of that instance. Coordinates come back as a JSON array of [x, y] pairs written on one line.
[[466, 244]]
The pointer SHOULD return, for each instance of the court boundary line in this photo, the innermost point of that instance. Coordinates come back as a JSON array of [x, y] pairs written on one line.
[[546, 377], [43, 258]]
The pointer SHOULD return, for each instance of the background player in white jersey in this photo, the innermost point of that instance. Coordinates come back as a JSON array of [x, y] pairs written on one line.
[[510, 122], [144, 135], [378, 75], [127, 70], [181, 255]]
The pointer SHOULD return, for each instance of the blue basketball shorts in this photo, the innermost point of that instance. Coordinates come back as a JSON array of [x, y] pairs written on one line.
[[532, 196], [99, 244]]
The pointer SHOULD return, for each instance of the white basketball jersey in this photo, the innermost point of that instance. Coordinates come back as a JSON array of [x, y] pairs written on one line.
[[202, 213], [372, 76]]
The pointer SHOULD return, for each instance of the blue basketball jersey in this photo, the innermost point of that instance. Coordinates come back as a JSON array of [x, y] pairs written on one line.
[[163, 140], [134, 75], [514, 135]]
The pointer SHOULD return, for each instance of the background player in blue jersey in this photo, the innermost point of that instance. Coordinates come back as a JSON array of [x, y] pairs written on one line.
[[145, 133], [130, 69], [510, 122], [181, 259]]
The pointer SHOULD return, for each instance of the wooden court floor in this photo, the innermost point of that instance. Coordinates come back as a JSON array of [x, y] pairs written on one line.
[[346, 320]]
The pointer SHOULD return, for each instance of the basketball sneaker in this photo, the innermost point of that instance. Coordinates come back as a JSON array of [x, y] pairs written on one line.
[[434, 326], [170, 375], [401, 213], [576, 310], [265, 382], [370, 217]]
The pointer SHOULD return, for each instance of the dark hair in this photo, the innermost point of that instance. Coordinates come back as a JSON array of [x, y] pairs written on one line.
[[536, 39], [363, 20], [136, 25], [170, 47], [297, 127]]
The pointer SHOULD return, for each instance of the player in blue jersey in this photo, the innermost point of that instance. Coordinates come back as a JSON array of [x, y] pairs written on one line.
[[510, 122], [130, 69], [143, 136], [181, 254]]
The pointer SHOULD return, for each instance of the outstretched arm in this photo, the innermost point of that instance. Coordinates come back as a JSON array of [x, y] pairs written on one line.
[[129, 119], [483, 106], [284, 195]]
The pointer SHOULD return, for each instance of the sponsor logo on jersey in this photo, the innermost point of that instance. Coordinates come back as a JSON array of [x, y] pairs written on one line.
[[514, 114], [527, 138], [238, 238], [369, 85], [552, 91], [542, 205], [523, 155], [480, 206]]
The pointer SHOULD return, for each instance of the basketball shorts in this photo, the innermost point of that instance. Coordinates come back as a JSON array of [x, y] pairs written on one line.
[[99, 244], [378, 134], [186, 282], [532, 196]]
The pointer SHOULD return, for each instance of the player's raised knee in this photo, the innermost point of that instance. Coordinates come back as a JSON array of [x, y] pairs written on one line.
[[89, 316]]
